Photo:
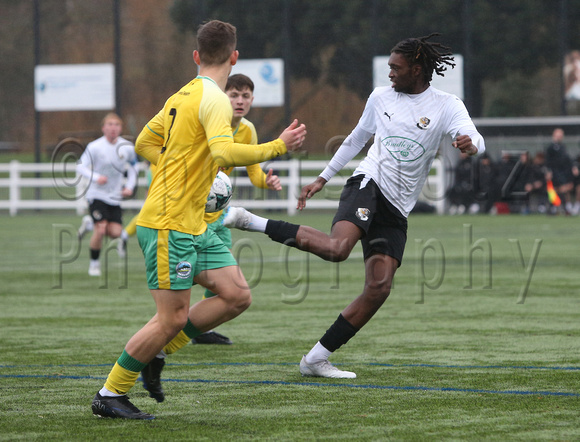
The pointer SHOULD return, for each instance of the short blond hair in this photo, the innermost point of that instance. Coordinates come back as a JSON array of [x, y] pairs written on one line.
[[111, 116]]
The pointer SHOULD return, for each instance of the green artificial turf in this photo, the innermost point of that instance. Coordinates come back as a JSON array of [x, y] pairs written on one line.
[[479, 340]]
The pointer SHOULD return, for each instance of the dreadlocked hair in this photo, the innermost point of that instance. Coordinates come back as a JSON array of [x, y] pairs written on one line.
[[432, 56]]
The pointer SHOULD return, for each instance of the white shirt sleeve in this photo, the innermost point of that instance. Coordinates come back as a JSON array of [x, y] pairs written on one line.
[[132, 173], [127, 153], [476, 138], [354, 143], [463, 125], [349, 148], [84, 167]]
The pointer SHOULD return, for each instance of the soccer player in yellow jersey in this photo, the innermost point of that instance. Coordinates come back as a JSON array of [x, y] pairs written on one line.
[[131, 228], [188, 140], [240, 90]]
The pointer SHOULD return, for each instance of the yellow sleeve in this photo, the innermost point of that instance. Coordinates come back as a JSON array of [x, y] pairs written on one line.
[[257, 176], [151, 139], [246, 134], [216, 116], [254, 139], [226, 153]]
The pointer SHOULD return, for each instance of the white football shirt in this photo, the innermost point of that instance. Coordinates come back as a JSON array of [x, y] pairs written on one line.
[[111, 160], [408, 129]]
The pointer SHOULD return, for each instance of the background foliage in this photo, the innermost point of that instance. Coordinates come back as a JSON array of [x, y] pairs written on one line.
[[513, 51], [338, 40]]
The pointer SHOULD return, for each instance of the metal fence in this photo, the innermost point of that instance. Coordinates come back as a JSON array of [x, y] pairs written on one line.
[[21, 184]]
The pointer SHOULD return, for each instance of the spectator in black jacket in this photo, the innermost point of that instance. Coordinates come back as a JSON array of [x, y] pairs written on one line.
[[536, 185], [486, 192], [461, 195], [559, 163]]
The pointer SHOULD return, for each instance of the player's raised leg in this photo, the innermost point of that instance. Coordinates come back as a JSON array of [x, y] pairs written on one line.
[[334, 247]]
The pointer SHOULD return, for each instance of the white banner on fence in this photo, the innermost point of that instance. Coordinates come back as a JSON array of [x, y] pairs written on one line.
[[66, 87], [268, 77]]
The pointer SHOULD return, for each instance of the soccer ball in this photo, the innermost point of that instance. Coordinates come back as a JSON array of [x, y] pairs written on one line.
[[219, 194]]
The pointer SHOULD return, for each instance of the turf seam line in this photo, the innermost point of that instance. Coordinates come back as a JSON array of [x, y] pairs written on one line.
[[370, 364], [321, 384]]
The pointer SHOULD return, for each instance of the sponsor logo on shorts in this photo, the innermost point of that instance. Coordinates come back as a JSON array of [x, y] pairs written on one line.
[[97, 215], [362, 214], [183, 270]]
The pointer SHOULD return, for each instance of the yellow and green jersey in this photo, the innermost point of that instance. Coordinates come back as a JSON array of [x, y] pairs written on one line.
[[245, 133], [188, 140]]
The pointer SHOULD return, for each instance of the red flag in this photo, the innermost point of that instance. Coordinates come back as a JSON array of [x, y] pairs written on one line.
[[552, 195]]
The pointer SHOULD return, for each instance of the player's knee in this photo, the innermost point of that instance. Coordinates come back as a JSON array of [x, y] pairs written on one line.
[[237, 299], [341, 254], [242, 301], [337, 252], [172, 324], [378, 291], [100, 229]]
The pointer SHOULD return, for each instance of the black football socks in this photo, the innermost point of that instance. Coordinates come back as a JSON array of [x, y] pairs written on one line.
[[282, 232], [338, 334]]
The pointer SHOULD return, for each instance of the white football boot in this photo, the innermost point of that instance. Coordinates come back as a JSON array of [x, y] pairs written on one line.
[[324, 369], [237, 217]]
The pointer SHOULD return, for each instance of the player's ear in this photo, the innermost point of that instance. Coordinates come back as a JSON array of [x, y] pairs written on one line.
[[196, 57], [416, 69], [234, 57]]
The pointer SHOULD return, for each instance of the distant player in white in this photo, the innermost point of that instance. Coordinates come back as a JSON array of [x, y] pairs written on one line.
[[409, 121], [104, 163]]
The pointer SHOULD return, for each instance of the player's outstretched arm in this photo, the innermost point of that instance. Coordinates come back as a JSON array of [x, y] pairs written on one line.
[[272, 181], [227, 154], [293, 136], [309, 191]]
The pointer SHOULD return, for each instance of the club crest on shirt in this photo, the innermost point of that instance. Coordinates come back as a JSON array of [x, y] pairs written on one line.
[[362, 214], [423, 123]]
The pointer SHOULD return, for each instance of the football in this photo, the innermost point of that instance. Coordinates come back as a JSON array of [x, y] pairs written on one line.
[[219, 194]]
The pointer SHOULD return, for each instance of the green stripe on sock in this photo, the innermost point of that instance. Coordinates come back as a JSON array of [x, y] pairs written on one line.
[[190, 330], [130, 363]]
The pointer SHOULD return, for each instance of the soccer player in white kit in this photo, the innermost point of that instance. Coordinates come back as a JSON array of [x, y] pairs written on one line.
[[409, 121], [104, 163]]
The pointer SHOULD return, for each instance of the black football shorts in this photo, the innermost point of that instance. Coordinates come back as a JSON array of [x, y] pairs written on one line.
[[101, 211], [384, 227]]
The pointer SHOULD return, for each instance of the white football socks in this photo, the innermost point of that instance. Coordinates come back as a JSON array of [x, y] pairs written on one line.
[[106, 393], [317, 354], [258, 223]]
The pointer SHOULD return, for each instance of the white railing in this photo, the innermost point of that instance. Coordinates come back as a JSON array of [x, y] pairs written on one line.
[[67, 187]]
